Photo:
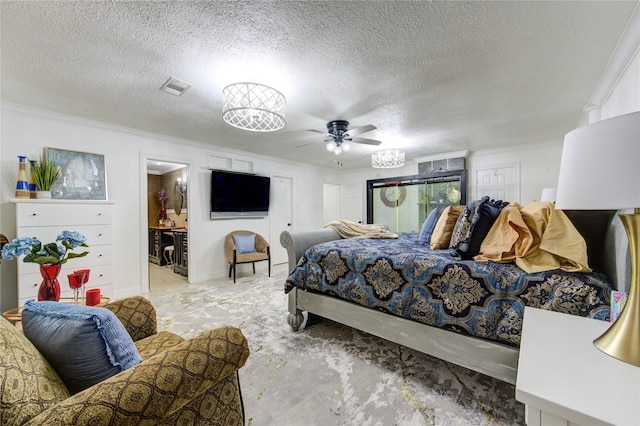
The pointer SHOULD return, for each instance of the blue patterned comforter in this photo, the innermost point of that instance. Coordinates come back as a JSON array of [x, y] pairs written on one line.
[[407, 279]]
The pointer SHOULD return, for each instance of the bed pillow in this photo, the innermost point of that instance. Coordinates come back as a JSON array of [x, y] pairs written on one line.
[[444, 227], [245, 243], [463, 229], [429, 225], [84, 344], [487, 212]]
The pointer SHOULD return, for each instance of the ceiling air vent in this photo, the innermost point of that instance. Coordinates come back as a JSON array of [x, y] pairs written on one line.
[[175, 86]]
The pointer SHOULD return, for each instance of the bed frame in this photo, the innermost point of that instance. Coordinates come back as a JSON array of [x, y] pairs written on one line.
[[486, 357], [490, 358]]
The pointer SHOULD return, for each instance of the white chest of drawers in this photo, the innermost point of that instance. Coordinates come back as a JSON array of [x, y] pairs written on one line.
[[45, 220]]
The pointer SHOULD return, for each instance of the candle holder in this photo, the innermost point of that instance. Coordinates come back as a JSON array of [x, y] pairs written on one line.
[[75, 282]]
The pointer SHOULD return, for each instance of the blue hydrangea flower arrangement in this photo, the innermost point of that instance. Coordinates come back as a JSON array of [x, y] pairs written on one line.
[[56, 253]]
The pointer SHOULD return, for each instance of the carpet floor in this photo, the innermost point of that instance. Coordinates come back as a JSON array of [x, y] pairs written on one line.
[[330, 374]]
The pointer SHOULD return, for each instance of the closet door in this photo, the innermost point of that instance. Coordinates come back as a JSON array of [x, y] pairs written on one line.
[[280, 215]]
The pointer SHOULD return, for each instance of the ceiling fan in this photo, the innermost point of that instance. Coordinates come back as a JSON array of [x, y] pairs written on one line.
[[340, 136]]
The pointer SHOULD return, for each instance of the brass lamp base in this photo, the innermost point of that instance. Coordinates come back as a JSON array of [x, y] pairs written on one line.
[[622, 339]]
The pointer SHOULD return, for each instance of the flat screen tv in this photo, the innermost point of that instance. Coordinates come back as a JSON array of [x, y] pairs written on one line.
[[238, 194]]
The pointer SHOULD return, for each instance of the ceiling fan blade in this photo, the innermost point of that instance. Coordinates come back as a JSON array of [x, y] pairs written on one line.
[[366, 141], [317, 131], [305, 144], [361, 129]]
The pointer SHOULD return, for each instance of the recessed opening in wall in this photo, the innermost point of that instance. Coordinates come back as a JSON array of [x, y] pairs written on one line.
[[167, 218]]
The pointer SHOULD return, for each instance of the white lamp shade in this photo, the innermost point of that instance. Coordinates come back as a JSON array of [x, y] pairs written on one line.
[[548, 194], [600, 166]]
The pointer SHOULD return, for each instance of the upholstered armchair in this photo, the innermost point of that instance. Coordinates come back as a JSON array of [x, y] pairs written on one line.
[[179, 382], [246, 247]]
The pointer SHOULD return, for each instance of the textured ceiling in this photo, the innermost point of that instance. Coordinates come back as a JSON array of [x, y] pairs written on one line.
[[433, 77]]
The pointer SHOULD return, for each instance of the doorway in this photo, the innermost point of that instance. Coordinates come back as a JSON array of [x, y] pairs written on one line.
[[167, 219]]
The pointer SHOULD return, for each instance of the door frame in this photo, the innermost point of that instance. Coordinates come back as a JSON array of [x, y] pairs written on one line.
[[144, 213]]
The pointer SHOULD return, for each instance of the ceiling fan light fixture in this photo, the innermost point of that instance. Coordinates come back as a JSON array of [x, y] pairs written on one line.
[[346, 146], [331, 146], [254, 107], [387, 159]]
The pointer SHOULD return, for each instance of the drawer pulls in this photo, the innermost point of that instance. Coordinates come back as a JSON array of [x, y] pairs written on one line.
[[36, 214]]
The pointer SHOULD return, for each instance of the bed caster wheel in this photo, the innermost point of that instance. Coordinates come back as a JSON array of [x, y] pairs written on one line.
[[295, 321]]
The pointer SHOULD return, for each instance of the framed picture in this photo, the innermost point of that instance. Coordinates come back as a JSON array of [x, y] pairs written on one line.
[[82, 175]]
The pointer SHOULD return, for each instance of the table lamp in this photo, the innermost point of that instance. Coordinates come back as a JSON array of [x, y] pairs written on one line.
[[600, 170], [548, 195]]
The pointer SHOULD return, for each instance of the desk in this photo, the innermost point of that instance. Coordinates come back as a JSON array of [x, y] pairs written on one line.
[[159, 238], [563, 379], [181, 247]]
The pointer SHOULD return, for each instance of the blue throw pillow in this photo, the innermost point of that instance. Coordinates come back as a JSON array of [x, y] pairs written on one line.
[[463, 230], [84, 344], [245, 243], [429, 224]]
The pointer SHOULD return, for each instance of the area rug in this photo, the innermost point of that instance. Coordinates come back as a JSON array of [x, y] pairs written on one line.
[[330, 374]]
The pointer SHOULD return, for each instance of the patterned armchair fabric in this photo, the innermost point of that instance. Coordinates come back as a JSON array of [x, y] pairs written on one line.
[[180, 382]]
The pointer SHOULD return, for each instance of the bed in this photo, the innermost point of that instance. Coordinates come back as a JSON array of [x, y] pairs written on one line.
[[462, 311]]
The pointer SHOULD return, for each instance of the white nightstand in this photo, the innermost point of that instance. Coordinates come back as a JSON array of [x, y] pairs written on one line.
[[564, 380]]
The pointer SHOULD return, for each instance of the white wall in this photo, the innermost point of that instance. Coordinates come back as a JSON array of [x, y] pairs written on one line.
[[27, 131], [625, 96], [539, 168], [622, 96]]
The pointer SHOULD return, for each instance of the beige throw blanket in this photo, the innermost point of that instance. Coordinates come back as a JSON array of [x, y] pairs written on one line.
[[538, 237], [349, 229]]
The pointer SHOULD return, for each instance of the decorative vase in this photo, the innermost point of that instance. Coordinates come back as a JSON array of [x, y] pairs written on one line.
[[22, 186], [163, 213], [42, 195], [33, 188], [50, 287]]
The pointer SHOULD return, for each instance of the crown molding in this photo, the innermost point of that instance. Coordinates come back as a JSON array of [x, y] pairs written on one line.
[[621, 57]]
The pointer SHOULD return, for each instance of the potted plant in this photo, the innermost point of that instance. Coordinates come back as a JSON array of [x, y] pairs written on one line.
[[49, 256], [44, 173], [163, 197]]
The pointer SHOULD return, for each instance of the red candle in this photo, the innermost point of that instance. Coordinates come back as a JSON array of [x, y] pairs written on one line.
[[93, 297]]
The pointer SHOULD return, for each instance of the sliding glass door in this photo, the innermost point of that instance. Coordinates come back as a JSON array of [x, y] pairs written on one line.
[[404, 202]]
